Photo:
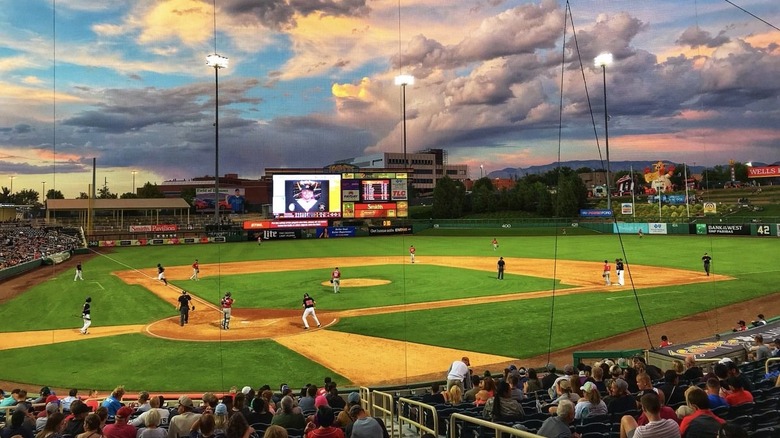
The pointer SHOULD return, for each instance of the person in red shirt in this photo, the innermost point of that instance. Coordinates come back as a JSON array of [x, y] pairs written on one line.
[[664, 342], [195, 270], [227, 304], [324, 418], [120, 428], [495, 244], [702, 420], [411, 252], [335, 279], [737, 394], [605, 273]]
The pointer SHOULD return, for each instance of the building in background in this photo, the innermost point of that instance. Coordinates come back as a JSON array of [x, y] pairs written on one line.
[[426, 167]]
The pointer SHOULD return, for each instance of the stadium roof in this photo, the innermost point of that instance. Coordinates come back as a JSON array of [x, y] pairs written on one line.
[[117, 204]]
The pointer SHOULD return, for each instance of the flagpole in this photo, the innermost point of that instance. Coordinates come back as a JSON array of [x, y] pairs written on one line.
[[687, 203]]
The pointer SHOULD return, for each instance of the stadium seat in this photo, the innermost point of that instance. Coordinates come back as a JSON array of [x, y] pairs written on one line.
[[295, 433], [766, 419], [721, 411], [766, 432], [740, 410], [743, 421], [595, 435], [595, 419], [765, 405], [593, 427]]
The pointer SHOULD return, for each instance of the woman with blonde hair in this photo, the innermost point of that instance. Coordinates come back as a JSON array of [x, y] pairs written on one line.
[[268, 396], [563, 392], [591, 404], [152, 421], [91, 427], [275, 431], [221, 417], [454, 396]]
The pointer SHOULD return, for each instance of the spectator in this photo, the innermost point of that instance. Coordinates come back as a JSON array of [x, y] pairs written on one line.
[[239, 428], [758, 351], [152, 423], [664, 342], [307, 403], [365, 426], [73, 394], [274, 431], [43, 394], [741, 326], [656, 426], [693, 372], [181, 424], [17, 426], [91, 427], [713, 394], [203, 427], [737, 394], [673, 393], [335, 401], [121, 428], [503, 407], [221, 417], [591, 404], [471, 395], [734, 371], [287, 417], [598, 379], [323, 426], [454, 397], [75, 424], [532, 384], [435, 396], [154, 405], [43, 417], [621, 400], [55, 423], [143, 404], [702, 422], [563, 392], [514, 384], [486, 390], [549, 380], [760, 320], [114, 401], [259, 412], [558, 425]]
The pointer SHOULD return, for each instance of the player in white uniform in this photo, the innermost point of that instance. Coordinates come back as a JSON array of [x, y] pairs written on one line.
[[308, 309], [411, 253], [335, 278]]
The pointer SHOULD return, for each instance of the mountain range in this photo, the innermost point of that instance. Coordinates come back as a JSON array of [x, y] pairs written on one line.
[[615, 166]]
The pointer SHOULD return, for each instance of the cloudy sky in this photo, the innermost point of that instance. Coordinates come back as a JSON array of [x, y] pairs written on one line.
[[311, 82]]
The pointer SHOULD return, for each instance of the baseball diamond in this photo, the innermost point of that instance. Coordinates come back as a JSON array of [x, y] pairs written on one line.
[[377, 291]]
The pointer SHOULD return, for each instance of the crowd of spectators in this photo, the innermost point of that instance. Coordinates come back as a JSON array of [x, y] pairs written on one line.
[[21, 243]]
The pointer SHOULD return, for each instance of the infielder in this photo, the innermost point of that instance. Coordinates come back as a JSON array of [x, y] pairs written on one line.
[[411, 253], [161, 274], [605, 273], [706, 259], [86, 315], [78, 273], [195, 270], [619, 272], [308, 309], [335, 279], [227, 304]]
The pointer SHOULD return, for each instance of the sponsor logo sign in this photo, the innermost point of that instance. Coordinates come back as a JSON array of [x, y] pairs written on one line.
[[710, 208], [153, 228], [656, 228], [380, 231], [763, 172], [736, 229], [627, 208], [274, 224], [595, 213]]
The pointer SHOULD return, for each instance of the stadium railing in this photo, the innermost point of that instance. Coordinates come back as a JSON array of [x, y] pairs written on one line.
[[379, 404], [498, 429], [419, 415]]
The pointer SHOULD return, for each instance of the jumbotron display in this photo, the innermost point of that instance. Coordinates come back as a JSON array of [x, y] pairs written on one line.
[[306, 196], [352, 195]]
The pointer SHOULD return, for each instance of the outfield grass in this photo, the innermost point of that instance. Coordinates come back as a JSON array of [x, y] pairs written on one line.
[[516, 329]]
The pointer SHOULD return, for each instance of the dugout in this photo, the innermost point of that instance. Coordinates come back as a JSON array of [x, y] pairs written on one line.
[[734, 345]]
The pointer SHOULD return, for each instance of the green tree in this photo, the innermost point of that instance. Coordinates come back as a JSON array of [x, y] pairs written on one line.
[[26, 197], [448, 198], [128, 195], [150, 190], [54, 194], [83, 195], [483, 196], [570, 196], [188, 194], [105, 193]]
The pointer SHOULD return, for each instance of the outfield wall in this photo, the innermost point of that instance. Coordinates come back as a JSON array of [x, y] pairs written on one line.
[[19, 269]]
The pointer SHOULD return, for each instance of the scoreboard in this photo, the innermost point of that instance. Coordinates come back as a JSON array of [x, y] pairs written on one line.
[[374, 195]]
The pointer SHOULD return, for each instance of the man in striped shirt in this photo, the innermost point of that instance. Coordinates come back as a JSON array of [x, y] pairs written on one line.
[[657, 427]]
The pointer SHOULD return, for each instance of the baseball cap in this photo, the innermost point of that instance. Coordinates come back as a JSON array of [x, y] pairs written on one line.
[[124, 412], [725, 360], [522, 371], [283, 388], [221, 409], [622, 362], [245, 390], [353, 397], [512, 367], [185, 401], [588, 387], [320, 401], [568, 369]]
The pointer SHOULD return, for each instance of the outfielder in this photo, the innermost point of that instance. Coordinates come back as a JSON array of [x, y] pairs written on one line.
[[495, 244], [78, 273], [308, 309], [195, 270], [86, 315], [227, 305], [335, 279]]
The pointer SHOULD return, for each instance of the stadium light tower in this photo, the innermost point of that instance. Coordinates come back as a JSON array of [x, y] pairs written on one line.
[[217, 62], [403, 81], [603, 60], [12, 178]]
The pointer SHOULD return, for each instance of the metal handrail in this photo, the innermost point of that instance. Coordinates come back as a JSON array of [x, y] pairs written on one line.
[[379, 402], [497, 428], [423, 411]]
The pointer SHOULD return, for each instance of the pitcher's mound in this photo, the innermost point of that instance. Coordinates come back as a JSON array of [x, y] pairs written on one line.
[[359, 282]]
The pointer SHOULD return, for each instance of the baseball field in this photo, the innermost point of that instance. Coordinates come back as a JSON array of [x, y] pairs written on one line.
[[393, 322]]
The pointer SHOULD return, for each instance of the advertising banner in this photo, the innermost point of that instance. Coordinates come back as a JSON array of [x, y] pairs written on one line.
[[764, 172], [153, 228], [710, 208], [383, 231], [276, 224], [734, 229], [656, 228], [595, 213], [341, 231], [729, 345], [627, 208], [385, 209], [398, 189]]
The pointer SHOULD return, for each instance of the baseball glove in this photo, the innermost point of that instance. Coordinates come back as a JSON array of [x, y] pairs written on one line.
[[193, 307], [331, 281]]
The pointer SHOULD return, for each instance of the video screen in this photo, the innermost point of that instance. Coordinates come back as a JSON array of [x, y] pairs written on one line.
[[375, 190], [306, 196]]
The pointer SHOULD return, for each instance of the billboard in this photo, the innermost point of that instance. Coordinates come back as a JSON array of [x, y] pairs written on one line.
[[230, 198], [764, 172], [301, 196]]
